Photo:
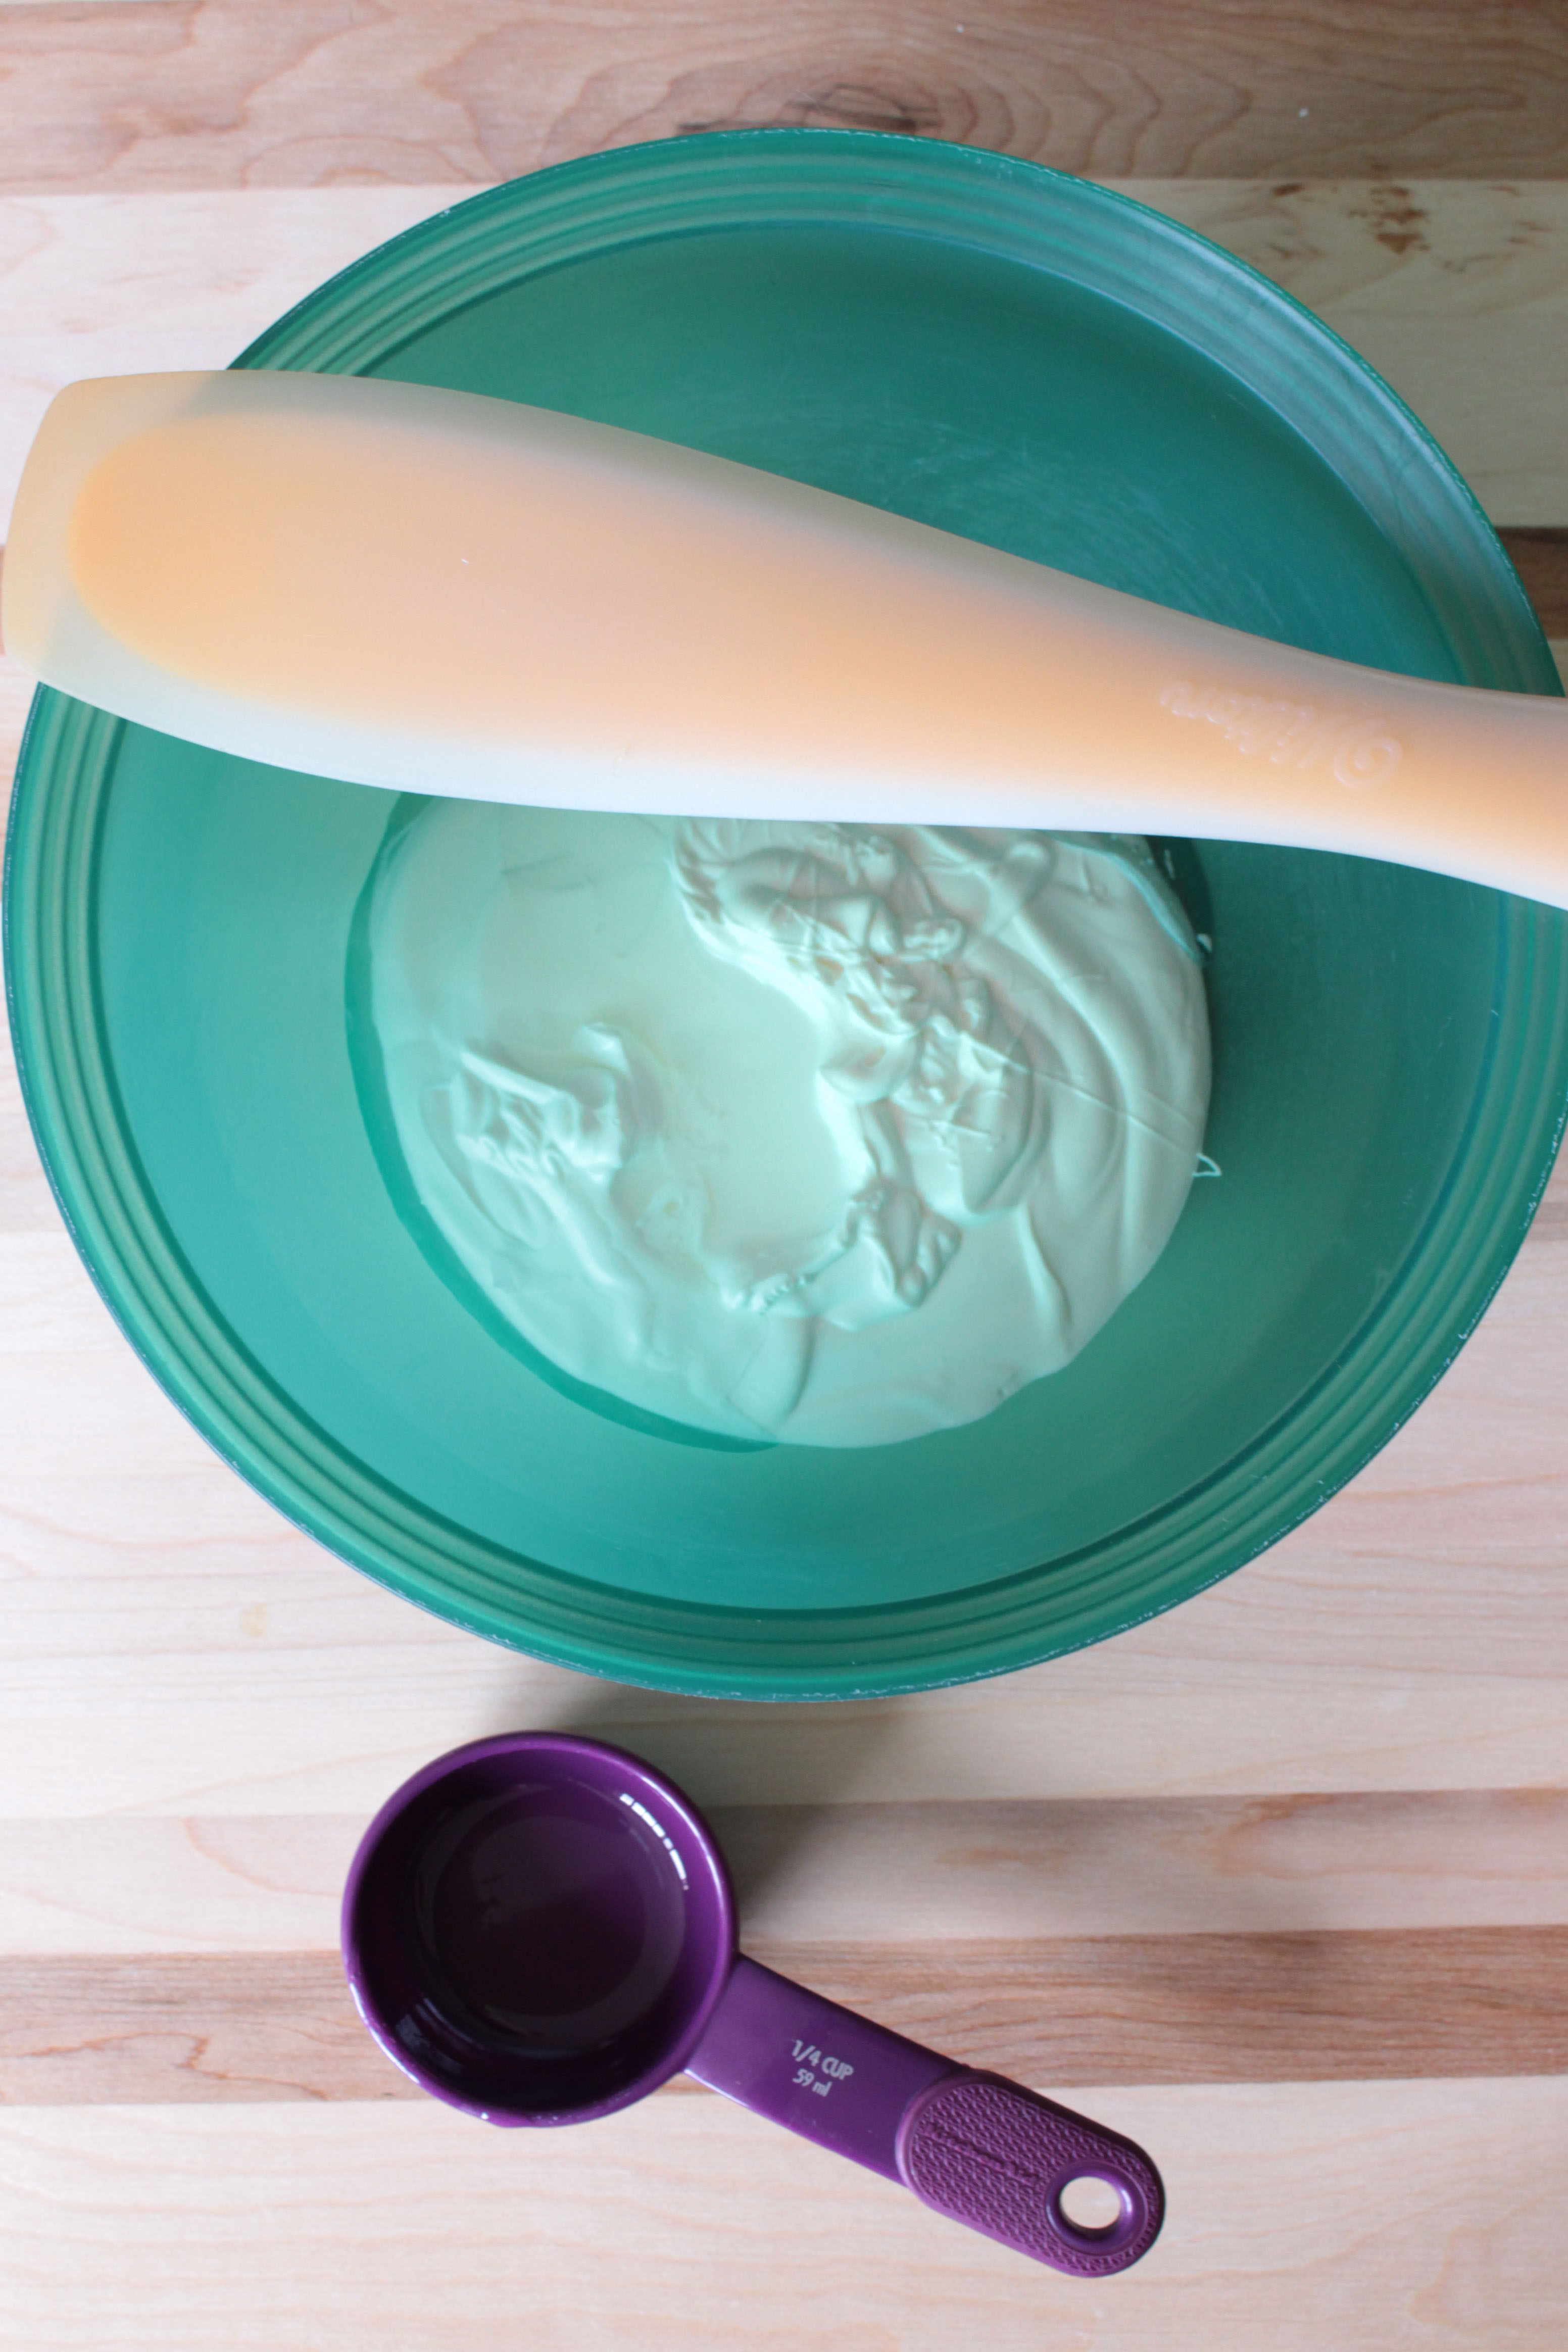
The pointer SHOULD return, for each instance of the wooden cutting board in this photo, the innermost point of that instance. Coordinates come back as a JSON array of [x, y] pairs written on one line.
[[1279, 1883]]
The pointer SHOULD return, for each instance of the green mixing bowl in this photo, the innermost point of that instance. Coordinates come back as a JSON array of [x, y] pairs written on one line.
[[1013, 356]]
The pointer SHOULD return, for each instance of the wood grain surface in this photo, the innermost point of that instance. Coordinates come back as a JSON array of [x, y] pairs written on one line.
[[127, 95], [1363, 2006], [1279, 1883], [1422, 2214]]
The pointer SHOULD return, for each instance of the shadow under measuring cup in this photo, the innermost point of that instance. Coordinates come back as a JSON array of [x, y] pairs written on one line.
[[539, 1929]]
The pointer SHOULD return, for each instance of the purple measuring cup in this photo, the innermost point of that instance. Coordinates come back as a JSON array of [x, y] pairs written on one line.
[[539, 1929]]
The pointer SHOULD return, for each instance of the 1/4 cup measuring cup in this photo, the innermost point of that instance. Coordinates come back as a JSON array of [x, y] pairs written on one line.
[[539, 1929]]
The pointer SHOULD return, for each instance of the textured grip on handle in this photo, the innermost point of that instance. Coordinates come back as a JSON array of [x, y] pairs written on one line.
[[997, 2158]]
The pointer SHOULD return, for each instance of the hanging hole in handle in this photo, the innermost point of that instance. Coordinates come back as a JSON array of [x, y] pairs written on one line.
[[1089, 2209]]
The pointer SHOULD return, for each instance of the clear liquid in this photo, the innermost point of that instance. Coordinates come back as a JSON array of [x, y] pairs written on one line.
[[552, 1921]]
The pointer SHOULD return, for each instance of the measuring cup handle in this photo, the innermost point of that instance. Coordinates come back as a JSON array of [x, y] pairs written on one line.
[[974, 2147]]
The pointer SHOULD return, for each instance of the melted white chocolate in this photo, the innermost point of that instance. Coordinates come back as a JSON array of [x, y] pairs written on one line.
[[804, 1131]]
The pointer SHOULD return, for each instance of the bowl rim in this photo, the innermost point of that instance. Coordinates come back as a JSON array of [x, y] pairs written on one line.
[[65, 779]]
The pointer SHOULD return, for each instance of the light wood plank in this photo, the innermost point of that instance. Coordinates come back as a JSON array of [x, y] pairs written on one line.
[[1059, 2012], [202, 93], [1006, 1870], [1415, 2217], [16, 693]]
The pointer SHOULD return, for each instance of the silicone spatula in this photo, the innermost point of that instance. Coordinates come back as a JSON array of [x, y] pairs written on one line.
[[430, 591]]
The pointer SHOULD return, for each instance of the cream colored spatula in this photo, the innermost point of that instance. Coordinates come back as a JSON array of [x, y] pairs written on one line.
[[432, 592]]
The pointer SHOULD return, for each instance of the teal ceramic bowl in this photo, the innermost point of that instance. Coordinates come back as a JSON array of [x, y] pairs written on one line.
[[1013, 356]]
